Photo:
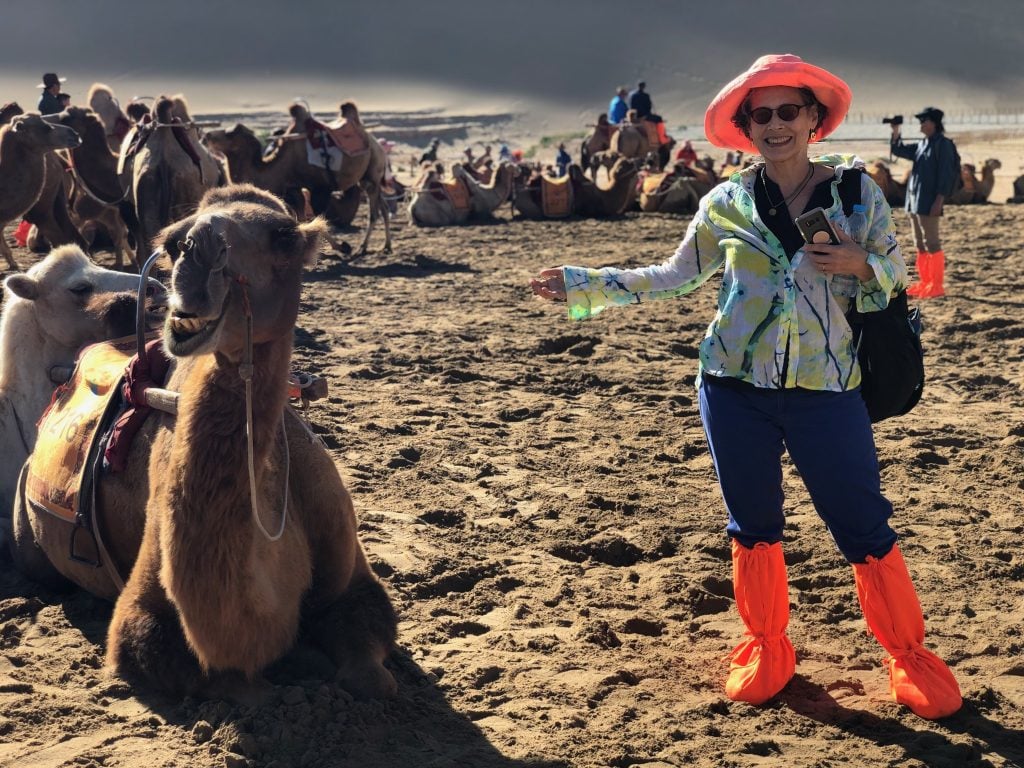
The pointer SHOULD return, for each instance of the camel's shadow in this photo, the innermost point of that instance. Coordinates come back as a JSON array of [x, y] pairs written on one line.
[[925, 744], [304, 717], [420, 266]]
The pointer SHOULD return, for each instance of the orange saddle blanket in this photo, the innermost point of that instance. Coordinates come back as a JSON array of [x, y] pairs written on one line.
[[653, 182], [69, 428], [458, 193], [555, 197]]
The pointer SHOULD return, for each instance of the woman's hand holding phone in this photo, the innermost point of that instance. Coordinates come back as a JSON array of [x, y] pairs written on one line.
[[847, 258]]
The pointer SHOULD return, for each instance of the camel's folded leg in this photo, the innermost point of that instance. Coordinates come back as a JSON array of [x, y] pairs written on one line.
[[357, 631]]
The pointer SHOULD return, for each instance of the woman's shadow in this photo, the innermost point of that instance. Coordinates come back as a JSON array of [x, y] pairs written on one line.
[[926, 744]]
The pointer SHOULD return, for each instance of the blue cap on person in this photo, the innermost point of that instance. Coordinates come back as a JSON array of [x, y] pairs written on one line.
[[50, 79]]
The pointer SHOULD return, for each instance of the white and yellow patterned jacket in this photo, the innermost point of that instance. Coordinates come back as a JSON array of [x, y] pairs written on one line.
[[767, 304]]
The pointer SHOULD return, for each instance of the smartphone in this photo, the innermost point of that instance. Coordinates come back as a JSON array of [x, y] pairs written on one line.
[[815, 227]]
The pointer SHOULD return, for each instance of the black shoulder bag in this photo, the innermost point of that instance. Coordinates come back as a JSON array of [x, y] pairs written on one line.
[[888, 342]]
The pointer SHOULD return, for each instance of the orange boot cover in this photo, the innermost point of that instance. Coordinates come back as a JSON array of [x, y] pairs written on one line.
[[917, 677], [764, 662], [936, 274], [916, 289]]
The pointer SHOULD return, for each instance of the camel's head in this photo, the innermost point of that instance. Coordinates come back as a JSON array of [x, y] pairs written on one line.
[[77, 302], [240, 252], [993, 163], [33, 131], [8, 111], [233, 140], [102, 101]]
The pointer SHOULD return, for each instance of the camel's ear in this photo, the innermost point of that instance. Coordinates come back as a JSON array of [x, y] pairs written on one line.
[[314, 233], [22, 285]]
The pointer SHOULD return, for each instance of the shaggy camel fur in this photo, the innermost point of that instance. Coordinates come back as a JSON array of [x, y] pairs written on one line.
[[8, 111], [163, 181], [24, 144], [102, 101], [97, 191], [50, 312], [210, 598]]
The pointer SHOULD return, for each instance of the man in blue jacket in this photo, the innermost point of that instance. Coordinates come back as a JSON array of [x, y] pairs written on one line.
[[932, 179], [618, 107]]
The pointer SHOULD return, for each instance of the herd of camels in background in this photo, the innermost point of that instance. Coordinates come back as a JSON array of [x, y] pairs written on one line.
[[133, 174]]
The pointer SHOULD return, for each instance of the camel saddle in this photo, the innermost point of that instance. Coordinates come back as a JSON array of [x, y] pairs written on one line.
[[555, 197], [457, 192], [654, 133], [326, 145], [141, 135], [653, 182], [58, 477]]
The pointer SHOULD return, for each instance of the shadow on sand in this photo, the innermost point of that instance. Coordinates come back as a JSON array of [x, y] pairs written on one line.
[[925, 743], [304, 718]]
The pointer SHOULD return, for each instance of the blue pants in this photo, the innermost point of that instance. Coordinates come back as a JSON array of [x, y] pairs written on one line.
[[829, 438]]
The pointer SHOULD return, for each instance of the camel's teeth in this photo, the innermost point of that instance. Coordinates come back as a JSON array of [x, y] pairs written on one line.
[[187, 324]]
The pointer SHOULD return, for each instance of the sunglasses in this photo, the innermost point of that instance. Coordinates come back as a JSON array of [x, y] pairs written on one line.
[[786, 112]]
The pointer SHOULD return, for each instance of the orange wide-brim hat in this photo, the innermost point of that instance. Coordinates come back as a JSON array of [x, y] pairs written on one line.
[[783, 69]]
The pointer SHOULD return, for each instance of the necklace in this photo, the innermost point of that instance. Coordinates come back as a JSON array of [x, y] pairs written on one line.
[[773, 209]]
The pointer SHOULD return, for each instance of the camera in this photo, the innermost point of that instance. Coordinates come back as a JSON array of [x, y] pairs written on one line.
[[894, 120]]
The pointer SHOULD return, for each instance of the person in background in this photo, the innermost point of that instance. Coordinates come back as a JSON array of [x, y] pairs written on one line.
[[932, 179], [470, 159], [65, 101], [778, 369], [49, 104], [504, 153], [640, 100], [562, 160], [430, 155], [482, 159], [618, 106], [687, 155]]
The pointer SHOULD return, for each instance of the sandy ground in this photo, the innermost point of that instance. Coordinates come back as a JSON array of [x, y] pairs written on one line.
[[538, 498]]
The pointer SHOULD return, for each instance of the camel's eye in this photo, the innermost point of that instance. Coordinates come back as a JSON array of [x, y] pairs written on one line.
[[81, 289]]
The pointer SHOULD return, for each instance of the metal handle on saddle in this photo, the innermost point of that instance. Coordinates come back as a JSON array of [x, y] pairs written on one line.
[[140, 309]]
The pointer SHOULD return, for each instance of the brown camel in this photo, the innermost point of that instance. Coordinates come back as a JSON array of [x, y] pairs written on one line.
[[1018, 191], [97, 190], [594, 201], [678, 191], [285, 172], [212, 596], [163, 180], [598, 140], [895, 191], [975, 191], [25, 144], [8, 111]]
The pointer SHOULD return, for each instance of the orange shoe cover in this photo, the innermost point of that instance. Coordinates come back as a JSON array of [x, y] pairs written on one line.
[[917, 677], [916, 289], [764, 662], [936, 274], [21, 233]]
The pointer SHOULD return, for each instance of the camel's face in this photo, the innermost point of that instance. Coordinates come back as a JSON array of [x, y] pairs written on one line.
[[36, 132], [240, 254], [8, 111], [228, 141], [78, 302]]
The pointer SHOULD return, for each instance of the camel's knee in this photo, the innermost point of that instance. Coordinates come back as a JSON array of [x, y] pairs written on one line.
[[150, 649]]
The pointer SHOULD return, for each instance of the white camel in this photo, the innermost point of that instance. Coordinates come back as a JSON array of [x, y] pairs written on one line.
[[49, 313]]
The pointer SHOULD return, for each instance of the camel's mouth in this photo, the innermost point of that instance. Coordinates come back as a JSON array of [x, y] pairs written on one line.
[[187, 334]]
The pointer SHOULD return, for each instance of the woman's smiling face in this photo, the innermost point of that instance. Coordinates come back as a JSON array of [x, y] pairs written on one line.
[[779, 140]]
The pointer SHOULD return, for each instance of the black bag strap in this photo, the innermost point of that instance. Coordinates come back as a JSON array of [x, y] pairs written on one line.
[[849, 189]]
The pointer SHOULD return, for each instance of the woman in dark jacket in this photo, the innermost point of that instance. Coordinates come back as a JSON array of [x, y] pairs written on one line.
[[932, 179]]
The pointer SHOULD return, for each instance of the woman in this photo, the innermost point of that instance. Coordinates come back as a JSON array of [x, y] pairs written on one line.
[[932, 180], [778, 368]]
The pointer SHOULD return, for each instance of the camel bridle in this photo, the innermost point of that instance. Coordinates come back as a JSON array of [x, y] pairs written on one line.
[[245, 372]]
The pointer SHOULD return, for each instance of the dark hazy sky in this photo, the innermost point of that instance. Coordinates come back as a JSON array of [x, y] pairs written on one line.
[[552, 49]]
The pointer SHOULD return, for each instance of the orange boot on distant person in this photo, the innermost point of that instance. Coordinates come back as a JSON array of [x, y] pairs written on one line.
[[922, 263], [936, 275], [917, 677], [764, 662]]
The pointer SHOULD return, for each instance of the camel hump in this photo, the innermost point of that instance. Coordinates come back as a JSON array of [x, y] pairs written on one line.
[[349, 111], [164, 109]]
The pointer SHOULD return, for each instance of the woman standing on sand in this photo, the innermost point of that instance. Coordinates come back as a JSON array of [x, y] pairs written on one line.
[[778, 369]]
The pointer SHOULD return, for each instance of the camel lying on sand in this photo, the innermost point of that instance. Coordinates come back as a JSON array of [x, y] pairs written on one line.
[[431, 207], [49, 313], [163, 180], [1018, 191], [24, 145], [589, 199], [974, 191], [895, 191], [678, 191], [213, 596]]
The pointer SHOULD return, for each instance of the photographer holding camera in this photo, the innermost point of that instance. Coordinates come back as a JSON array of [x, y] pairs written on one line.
[[932, 180]]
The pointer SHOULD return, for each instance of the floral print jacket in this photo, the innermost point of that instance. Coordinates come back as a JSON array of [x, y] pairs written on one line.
[[769, 307]]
